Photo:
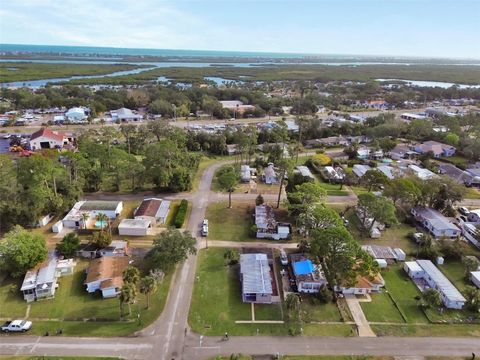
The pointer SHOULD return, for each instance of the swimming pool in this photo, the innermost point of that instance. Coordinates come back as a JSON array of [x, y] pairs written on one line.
[[100, 224]]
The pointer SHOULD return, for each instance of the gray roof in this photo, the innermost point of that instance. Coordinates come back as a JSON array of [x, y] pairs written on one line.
[[255, 272], [163, 209], [99, 205], [437, 220], [305, 171], [443, 284], [360, 170], [43, 274], [265, 217]]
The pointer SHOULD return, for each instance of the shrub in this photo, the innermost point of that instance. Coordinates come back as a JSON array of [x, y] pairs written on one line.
[[181, 214]]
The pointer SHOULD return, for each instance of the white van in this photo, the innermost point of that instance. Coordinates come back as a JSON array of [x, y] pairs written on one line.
[[283, 257]]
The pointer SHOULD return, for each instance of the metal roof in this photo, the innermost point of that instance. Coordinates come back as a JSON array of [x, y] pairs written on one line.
[[443, 284], [305, 171], [255, 272], [437, 220]]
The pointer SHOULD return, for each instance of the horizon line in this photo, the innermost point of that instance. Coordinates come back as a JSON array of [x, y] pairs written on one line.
[[249, 52]]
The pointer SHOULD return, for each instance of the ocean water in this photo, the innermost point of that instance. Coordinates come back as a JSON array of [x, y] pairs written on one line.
[[80, 50]]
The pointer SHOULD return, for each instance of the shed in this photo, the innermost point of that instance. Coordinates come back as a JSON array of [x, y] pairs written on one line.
[[134, 227], [440, 260], [382, 263], [44, 220], [57, 227]]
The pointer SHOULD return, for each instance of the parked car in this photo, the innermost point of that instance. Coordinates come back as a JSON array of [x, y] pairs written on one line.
[[283, 257], [463, 210], [205, 222], [17, 326], [204, 231]]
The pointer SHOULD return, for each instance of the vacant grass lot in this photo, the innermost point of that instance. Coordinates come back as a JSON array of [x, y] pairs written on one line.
[[230, 224], [403, 291], [72, 304], [217, 304], [45, 357], [381, 309], [427, 330], [395, 236]]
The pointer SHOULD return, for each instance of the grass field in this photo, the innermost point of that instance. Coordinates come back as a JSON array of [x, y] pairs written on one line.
[[230, 224], [381, 309], [427, 330], [46, 357], [72, 305], [472, 193], [217, 304]]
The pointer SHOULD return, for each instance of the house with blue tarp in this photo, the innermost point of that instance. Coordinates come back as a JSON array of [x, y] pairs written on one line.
[[309, 277]]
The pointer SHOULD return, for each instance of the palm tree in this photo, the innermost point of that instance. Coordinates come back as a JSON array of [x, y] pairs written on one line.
[[131, 275], [148, 285], [85, 216], [128, 295], [102, 218]]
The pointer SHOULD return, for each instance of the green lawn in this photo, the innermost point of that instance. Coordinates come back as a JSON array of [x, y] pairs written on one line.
[[217, 304], [72, 304], [454, 270], [381, 309], [403, 291], [317, 312], [45, 357], [230, 224], [427, 330], [331, 189]]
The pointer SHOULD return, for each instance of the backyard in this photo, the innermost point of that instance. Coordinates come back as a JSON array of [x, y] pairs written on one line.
[[217, 304], [76, 311]]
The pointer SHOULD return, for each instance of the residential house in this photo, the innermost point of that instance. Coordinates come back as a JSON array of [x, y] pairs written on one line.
[[232, 149], [124, 114], [388, 171], [475, 176], [153, 209], [116, 248], [386, 253], [256, 279], [267, 226], [106, 274], [269, 175], [475, 278], [309, 277], [47, 139], [236, 106], [41, 281], [245, 174], [456, 174], [77, 114], [363, 285], [412, 116], [331, 174], [421, 173], [75, 219], [134, 227], [438, 149], [402, 151], [376, 104], [359, 170], [426, 275], [437, 224], [305, 172]]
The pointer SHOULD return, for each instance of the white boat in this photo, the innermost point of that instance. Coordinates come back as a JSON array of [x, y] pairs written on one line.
[[7, 136]]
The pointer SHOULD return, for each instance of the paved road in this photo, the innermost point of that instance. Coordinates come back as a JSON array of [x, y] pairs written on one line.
[[169, 337]]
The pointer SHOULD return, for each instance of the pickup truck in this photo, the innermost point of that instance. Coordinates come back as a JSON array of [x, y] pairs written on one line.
[[17, 326]]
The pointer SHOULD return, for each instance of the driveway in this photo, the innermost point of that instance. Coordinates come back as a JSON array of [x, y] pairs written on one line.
[[363, 327]]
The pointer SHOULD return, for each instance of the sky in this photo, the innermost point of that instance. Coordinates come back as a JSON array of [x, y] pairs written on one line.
[[424, 28]]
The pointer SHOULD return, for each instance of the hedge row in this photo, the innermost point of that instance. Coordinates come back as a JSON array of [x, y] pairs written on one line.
[[181, 214]]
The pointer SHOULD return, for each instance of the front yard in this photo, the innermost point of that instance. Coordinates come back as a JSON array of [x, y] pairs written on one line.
[[217, 304], [77, 312]]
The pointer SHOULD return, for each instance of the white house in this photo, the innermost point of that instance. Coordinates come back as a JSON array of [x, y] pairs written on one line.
[[475, 278], [77, 115], [269, 175], [47, 139], [153, 209], [364, 285], [245, 173], [124, 114], [426, 275], [134, 227], [421, 173], [105, 274], [359, 170], [116, 248], [437, 224], [76, 219]]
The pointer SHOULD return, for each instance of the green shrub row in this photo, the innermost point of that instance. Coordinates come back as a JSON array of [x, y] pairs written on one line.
[[181, 214]]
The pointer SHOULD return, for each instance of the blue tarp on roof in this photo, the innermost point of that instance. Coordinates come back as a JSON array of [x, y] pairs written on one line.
[[303, 267]]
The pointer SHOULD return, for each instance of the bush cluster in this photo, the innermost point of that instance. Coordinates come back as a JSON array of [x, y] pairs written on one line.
[[181, 214]]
